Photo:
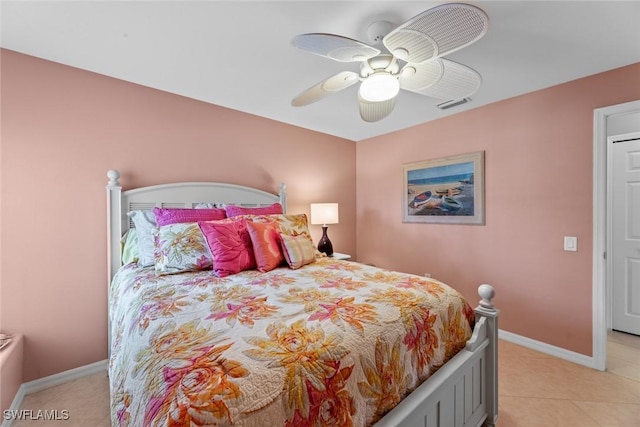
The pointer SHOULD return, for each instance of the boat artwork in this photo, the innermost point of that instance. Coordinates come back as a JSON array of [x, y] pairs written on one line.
[[449, 190], [450, 204], [443, 200], [420, 199]]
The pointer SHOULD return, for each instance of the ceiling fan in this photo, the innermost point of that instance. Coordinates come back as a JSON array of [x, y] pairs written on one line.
[[413, 62]]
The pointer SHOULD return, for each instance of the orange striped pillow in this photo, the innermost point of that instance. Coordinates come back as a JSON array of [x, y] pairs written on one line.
[[297, 250]]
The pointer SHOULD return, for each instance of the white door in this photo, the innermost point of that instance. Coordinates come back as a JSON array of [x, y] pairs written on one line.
[[625, 230]]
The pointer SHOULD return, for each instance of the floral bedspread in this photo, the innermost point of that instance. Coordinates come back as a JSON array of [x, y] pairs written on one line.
[[334, 343]]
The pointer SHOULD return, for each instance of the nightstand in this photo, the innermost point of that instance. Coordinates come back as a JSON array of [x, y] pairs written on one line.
[[338, 255]]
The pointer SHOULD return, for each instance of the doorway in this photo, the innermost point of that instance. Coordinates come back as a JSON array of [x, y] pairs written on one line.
[[623, 199], [602, 271]]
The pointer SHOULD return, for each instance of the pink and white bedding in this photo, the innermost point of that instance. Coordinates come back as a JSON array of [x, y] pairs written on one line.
[[332, 343]]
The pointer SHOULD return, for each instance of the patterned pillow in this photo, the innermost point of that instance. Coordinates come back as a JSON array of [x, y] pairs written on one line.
[[297, 250], [233, 210], [166, 216], [290, 224], [145, 223], [266, 246], [230, 246], [181, 247]]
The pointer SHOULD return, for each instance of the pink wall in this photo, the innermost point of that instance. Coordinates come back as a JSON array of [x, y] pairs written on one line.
[[62, 129], [538, 170]]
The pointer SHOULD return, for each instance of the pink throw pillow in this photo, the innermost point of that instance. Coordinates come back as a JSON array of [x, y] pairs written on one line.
[[165, 216], [233, 210], [265, 238], [230, 246]]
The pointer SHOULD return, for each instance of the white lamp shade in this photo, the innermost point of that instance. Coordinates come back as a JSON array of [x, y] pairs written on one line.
[[324, 213]]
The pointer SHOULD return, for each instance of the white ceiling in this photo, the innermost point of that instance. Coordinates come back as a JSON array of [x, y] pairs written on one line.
[[238, 54]]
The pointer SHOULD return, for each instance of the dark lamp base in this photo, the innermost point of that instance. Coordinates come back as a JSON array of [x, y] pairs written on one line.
[[325, 245]]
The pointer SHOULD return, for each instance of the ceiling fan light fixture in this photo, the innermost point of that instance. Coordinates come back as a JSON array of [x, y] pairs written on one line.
[[413, 63], [379, 87]]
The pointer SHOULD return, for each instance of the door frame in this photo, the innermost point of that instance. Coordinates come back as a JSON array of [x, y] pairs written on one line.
[[601, 292]]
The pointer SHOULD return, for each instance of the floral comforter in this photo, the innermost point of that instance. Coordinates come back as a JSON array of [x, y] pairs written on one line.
[[333, 343]]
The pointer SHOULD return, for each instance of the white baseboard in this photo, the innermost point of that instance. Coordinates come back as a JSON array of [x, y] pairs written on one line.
[[549, 349], [54, 380]]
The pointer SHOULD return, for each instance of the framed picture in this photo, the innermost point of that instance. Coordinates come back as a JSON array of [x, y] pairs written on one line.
[[449, 190]]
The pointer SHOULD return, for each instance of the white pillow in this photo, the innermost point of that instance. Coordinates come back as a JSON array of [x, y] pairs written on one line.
[[145, 223], [205, 205]]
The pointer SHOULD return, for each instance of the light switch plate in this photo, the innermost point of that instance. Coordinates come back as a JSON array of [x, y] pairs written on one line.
[[570, 243]]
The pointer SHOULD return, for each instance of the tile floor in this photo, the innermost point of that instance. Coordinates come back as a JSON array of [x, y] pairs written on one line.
[[535, 390], [540, 390]]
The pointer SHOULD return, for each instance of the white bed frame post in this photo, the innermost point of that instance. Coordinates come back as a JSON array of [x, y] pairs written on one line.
[[114, 234], [282, 193], [464, 391], [114, 222], [486, 310]]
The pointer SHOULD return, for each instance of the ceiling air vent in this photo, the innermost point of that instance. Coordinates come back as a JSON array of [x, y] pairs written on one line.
[[452, 103]]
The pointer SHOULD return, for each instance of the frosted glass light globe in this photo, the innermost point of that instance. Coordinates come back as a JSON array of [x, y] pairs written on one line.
[[379, 87]]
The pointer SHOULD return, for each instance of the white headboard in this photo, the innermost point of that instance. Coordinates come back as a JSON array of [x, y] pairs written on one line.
[[178, 195]]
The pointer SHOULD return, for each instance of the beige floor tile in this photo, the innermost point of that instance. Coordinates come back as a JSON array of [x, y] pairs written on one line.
[[86, 401], [624, 352], [504, 419], [528, 412], [622, 338], [623, 368], [559, 379], [510, 351], [612, 414]]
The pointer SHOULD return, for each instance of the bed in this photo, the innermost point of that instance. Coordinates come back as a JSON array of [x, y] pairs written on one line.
[[319, 342]]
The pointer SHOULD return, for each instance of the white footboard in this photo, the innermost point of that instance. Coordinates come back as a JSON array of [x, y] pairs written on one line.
[[464, 392]]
